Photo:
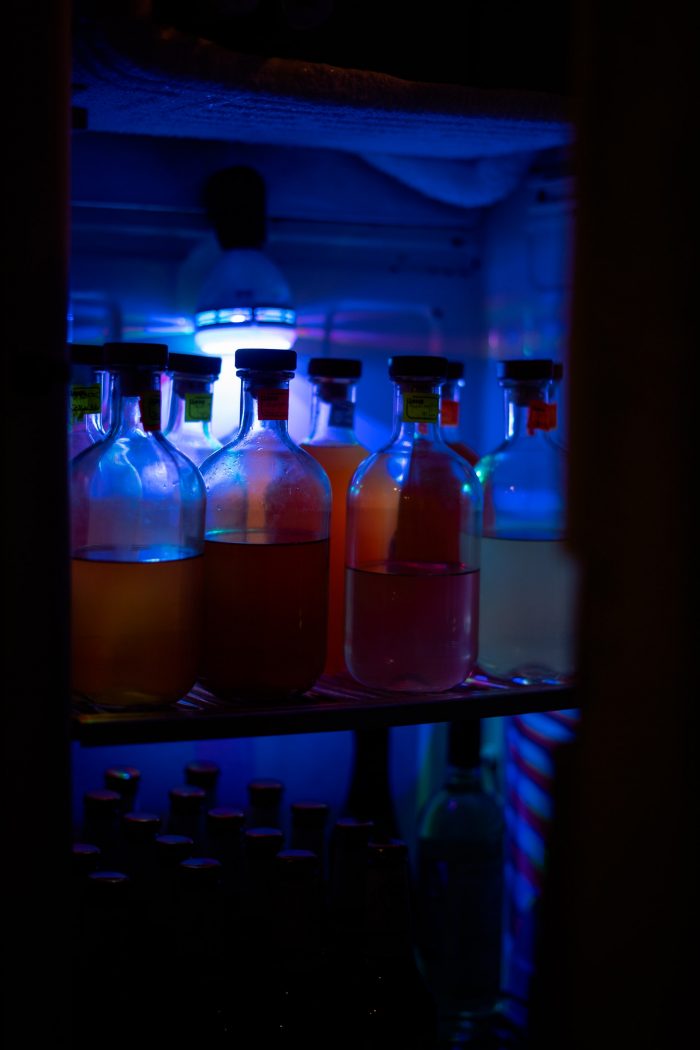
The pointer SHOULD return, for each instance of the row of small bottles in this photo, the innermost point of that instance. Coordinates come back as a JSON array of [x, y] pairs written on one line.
[[410, 567], [323, 927]]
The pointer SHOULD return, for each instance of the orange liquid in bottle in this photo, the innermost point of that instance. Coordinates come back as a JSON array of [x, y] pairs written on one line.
[[339, 463], [467, 453], [265, 614], [135, 630]]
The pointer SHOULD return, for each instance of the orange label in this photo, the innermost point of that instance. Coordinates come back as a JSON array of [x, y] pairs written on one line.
[[541, 416], [449, 413], [272, 404]]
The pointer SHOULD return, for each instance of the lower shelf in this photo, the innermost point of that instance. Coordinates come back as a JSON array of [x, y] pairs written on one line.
[[336, 703]]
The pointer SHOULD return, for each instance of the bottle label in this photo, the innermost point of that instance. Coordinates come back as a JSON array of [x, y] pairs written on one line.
[[421, 408], [84, 401], [342, 414], [449, 413], [198, 408], [149, 403], [272, 404], [541, 416]]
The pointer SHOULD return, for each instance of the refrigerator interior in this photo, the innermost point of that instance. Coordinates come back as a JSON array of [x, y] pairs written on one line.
[[428, 218]]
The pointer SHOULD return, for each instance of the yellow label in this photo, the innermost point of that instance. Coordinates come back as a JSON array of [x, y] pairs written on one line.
[[198, 408], [150, 410], [421, 408], [84, 401]]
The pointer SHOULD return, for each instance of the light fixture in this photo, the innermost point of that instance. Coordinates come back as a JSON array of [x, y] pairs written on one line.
[[245, 300]]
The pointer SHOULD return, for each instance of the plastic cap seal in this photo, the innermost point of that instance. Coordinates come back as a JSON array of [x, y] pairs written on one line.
[[136, 355], [194, 364], [418, 366], [335, 367], [521, 368], [267, 360]]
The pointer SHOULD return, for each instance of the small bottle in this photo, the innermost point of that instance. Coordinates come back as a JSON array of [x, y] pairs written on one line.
[[202, 773], [89, 397], [347, 890], [266, 557], [101, 820], [369, 796], [459, 895], [223, 840], [399, 1007], [103, 960], [528, 578], [186, 812], [450, 412], [125, 781], [413, 532], [191, 399], [139, 831], [265, 803], [308, 829], [137, 538], [299, 995], [333, 442]]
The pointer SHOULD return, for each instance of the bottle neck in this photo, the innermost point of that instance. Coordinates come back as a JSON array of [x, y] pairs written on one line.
[[264, 404], [333, 411], [191, 405], [135, 402], [528, 408], [417, 411]]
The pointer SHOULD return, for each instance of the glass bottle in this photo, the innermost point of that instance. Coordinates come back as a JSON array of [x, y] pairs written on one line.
[[333, 442], [89, 397], [460, 890], [191, 399], [125, 780], [528, 577], [413, 531], [308, 820], [137, 539], [266, 551], [450, 411]]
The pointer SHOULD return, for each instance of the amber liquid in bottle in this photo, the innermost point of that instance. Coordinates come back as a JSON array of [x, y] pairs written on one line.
[[272, 647], [339, 463], [140, 645]]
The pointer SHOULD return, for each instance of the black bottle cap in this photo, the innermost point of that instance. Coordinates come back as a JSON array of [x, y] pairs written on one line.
[[194, 364], [171, 849], [309, 814], [202, 773], [335, 367], [266, 360], [352, 829], [198, 870], [140, 826], [225, 820], [292, 864], [263, 844], [125, 355], [417, 366], [86, 354], [123, 779], [265, 792], [455, 370], [522, 368], [187, 799], [101, 802], [392, 852], [85, 857]]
